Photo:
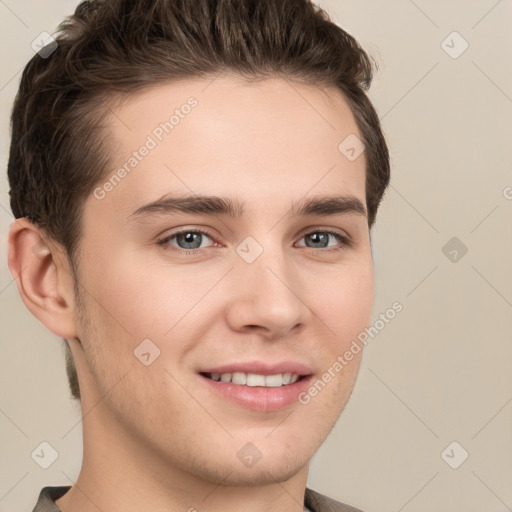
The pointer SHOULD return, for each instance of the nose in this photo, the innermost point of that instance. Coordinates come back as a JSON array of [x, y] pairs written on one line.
[[267, 296]]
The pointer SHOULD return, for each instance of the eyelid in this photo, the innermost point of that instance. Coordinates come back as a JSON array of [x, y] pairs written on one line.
[[326, 229]]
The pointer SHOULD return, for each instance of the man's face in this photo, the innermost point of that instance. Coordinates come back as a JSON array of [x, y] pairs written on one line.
[[267, 287]]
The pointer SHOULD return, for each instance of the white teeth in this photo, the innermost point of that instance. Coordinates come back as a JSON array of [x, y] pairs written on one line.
[[254, 379], [274, 381], [239, 378]]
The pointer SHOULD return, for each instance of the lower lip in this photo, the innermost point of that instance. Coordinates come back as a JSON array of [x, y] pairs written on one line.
[[260, 398]]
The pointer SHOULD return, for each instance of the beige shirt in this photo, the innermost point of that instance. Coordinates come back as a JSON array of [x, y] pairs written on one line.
[[313, 501]]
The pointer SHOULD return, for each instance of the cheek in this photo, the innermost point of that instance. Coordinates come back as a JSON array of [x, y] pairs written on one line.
[[142, 300], [347, 302], [149, 300]]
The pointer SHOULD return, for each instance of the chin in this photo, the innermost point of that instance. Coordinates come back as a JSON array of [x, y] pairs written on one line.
[[264, 473], [269, 469]]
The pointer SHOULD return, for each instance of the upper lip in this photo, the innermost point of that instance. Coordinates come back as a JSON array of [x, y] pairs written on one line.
[[261, 368]]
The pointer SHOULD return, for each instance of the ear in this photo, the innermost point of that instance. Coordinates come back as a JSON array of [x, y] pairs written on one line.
[[43, 276]]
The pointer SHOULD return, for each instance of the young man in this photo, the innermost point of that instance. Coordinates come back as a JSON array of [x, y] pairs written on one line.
[[194, 183]]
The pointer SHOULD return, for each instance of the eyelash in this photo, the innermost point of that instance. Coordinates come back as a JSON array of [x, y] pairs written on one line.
[[346, 242]]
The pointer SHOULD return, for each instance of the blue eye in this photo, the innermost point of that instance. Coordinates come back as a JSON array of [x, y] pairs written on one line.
[[187, 237], [193, 238], [324, 237]]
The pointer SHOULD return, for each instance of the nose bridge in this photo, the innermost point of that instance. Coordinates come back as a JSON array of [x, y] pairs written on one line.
[[266, 261]]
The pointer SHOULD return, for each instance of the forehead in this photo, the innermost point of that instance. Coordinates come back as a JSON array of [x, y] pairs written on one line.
[[271, 138]]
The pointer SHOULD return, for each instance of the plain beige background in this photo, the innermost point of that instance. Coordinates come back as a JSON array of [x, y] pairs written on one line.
[[440, 371]]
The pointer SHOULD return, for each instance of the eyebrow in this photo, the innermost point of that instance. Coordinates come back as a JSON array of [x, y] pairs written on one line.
[[225, 206]]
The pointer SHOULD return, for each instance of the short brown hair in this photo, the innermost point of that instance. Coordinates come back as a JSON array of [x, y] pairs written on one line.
[[58, 150]]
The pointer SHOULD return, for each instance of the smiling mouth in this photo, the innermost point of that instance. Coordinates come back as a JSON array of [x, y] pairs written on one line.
[[255, 379]]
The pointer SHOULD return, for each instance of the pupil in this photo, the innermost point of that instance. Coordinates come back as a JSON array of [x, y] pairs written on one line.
[[189, 239], [317, 236]]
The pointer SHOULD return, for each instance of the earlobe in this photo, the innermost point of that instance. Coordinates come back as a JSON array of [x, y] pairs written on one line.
[[44, 280]]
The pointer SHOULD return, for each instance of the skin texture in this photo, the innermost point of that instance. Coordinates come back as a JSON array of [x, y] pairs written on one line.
[[156, 437]]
